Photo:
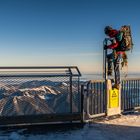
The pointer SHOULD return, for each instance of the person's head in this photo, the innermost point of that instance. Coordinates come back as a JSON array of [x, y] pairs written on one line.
[[108, 29]]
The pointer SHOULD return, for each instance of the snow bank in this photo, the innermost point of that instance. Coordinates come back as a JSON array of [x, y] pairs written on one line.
[[125, 127]]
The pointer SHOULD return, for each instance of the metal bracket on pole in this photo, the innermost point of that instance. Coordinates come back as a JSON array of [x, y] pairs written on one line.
[[105, 60]]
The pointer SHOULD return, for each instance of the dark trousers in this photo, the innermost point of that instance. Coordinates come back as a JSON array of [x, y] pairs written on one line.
[[115, 60]]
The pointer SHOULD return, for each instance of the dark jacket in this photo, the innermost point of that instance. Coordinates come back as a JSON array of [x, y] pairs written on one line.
[[118, 39]]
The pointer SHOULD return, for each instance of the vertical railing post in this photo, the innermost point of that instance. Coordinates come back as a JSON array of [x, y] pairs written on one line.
[[70, 72], [82, 103]]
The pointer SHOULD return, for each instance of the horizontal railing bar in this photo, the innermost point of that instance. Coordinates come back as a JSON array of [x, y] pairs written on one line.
[[5, 120], [96, 81], [42, 75], [39, 67], [98, 115], [123, 80], [33, 71], [68, 68], [129, 79]]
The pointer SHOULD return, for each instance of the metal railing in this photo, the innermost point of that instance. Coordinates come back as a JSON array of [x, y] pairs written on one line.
[[95, 98], [39, 94], [130, 94], [30, 95]]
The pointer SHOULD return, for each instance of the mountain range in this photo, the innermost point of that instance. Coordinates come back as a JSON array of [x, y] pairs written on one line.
[[37, 97]]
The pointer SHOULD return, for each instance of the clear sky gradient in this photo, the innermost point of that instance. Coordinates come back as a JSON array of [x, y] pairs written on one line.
[[64, 32]]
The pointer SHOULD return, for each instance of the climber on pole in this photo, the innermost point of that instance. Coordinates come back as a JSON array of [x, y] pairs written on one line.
[[120, 41]]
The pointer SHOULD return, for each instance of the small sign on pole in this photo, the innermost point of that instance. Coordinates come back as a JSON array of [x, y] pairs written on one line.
[[113, 98]]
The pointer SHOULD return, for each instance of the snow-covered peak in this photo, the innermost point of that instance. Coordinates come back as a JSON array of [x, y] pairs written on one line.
[[44, 89]]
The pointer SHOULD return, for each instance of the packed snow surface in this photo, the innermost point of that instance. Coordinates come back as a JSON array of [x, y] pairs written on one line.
[[126, 127]]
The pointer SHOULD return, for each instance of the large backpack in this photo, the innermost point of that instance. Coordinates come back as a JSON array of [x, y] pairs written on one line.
[[126, 43]]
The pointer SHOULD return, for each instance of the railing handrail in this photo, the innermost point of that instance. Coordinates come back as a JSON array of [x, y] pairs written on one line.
[[96, 81], [68, 70], [36, 67], [129, 79], [102, 80]]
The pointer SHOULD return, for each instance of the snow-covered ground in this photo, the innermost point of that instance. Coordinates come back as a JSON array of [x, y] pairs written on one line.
[[126, 127]]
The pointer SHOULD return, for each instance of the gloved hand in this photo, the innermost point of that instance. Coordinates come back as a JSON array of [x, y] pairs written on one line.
[[105, 47]]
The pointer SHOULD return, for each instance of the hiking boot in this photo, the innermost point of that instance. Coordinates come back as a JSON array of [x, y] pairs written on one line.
[[109, 73], [112, 80], [117, 86]]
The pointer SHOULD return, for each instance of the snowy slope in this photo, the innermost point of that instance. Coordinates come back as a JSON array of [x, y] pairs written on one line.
[[35, 97]]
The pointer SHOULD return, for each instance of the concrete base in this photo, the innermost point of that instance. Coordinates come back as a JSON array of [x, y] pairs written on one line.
[[113, 111]]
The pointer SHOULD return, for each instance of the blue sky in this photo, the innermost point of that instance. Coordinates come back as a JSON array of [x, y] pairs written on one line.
[[63, 32]]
